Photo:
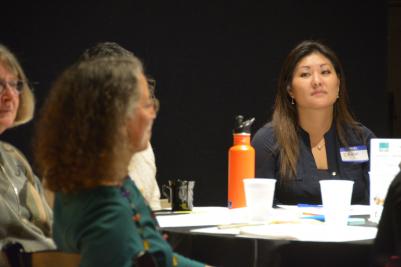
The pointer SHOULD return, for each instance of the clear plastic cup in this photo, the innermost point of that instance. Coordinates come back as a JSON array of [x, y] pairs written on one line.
[[336, 198], [259, 193]]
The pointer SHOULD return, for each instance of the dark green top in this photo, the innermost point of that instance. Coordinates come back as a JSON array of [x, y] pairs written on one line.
[[111, 226]]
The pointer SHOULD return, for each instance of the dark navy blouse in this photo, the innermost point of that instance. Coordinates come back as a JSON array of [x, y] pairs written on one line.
[[305, 187]]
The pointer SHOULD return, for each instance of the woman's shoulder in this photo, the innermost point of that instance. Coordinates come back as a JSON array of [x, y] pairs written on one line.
[[15, 159], [265, 137], [90, 221], [359, 131], [98, 195], [266, 130], [92, 202], [91, 210], [365, 130], [9, 150], [6, 146]]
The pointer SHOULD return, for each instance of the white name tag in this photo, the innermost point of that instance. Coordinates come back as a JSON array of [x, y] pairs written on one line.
[[354, 154]]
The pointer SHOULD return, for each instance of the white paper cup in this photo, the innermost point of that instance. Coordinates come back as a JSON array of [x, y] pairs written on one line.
[[336, 198], [259, 193]]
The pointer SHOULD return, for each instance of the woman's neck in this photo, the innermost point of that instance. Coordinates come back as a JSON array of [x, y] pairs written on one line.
[[315, 122]]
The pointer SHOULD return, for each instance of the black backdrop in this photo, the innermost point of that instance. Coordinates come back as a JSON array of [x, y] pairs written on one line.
[[212, 60]]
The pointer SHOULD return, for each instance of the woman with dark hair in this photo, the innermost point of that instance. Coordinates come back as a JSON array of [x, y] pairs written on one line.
[[312, 135], [98, 114], [25, 216]]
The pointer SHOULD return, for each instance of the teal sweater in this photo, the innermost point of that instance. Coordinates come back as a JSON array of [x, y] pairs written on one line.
[[110, 226]]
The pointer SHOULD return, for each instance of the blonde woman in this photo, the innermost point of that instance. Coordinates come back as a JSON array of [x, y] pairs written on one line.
[[25, 216]]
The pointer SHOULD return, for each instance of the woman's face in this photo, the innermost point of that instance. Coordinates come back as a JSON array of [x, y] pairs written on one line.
[[315, 84], [139, 125], [9, 98]]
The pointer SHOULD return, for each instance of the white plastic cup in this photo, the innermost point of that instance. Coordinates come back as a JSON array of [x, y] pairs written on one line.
[[259, 193], [336, 198]]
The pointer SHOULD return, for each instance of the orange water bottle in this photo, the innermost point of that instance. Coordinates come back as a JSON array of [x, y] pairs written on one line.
[[241, 162]]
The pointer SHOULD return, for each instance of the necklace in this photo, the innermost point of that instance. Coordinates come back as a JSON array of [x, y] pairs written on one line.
[[320, 145]]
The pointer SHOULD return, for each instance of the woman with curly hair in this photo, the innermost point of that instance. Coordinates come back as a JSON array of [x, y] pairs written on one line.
[[99, 112]]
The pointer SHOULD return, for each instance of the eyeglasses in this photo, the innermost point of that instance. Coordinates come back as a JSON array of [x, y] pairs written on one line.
[[151, 84], [152, 87], [17, 86]]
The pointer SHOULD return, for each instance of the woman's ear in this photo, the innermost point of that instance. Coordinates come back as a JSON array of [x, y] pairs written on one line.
[[339, 84], [289, 91]]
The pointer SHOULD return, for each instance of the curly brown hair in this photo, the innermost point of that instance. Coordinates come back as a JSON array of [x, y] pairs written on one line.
[[81, 139]]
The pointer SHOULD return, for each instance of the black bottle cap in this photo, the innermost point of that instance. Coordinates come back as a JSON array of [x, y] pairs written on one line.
[[242, 126]]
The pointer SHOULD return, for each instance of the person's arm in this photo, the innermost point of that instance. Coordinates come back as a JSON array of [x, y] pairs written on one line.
[[158, 248], [155, 196], [367, 135], [41, 212], [142, 170], [108, 237]]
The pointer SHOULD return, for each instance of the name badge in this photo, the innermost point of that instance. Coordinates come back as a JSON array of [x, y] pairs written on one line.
[[354, 154]]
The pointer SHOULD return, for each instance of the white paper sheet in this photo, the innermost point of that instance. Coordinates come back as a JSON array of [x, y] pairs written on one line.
[[355, 209], [201, 216], [307, 232], [217, 230]]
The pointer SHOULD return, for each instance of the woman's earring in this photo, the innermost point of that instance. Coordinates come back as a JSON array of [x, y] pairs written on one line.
[[292, 101]]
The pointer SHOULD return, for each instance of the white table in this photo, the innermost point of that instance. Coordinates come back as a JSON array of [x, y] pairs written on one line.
[[223, 237]]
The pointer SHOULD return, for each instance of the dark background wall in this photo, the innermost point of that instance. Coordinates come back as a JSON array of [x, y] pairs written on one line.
[[394, 64], [212, 61]]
